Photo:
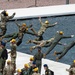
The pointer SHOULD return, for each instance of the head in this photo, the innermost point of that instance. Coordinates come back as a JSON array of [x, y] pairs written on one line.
[[13, 41], [33, 64], [19, 71], [5, 13], [3, 44], [61, 32], [8, 62], [74, 61], [46, 22], [23, 25], [26, 66], [35, 69], [31, 58], [45, 66], [39, 49]]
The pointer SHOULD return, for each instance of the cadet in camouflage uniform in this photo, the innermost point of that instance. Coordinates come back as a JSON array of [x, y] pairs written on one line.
[[8, 70], [38, 59], [32, 67], [22, 30], [43, 28], [31, 61], [59, 35], [25, 70], [47, 70], [13, 53], [18, 72], [4, 19], [36, 71], [65, 50], [42, 43], [71, 70]]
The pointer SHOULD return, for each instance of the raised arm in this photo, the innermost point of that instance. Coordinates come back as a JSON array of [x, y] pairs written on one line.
[[40, 21], [17, 23]]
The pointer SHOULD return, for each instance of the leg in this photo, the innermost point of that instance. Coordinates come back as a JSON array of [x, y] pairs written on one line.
[[34, 31], [19, 42], [50, 48], [40, 38], [13, 36], [66, 49], [2, 32], [13, 62], [57, 53], [20, 37]]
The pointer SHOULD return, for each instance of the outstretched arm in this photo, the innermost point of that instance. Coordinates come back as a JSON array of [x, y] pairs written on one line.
[[52, 25], [10, 17], [71, 36]]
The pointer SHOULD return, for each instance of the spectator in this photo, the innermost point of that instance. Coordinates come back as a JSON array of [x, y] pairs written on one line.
[[25, 70], [35, 71], [8, 70], [47, 70]]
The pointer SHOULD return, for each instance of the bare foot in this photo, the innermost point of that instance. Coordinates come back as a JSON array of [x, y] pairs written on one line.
[[54, 54], [57, 58]]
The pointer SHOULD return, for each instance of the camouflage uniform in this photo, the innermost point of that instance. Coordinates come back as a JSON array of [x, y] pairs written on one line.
[[65, 50], [25, 71], [13, 55], [43, 43], [8, 70], [42, 29], [71, 70], [31, 68], [4, 20], [57, 38], [30, 63], [19, 35], [36, 73]]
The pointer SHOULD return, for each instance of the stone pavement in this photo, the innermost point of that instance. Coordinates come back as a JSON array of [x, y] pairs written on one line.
[[12, 4]]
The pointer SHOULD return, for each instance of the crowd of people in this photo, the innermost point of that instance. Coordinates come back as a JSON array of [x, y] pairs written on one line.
[[34, 66]]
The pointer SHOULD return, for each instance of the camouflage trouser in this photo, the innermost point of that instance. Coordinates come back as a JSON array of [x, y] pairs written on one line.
[[2, 64], [13, 61], [38, 64], [3, 29]]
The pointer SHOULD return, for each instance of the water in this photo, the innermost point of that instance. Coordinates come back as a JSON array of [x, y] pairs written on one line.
[[65, 23]]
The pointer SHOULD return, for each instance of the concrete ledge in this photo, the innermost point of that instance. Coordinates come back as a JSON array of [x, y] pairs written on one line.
[[42, 11]]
